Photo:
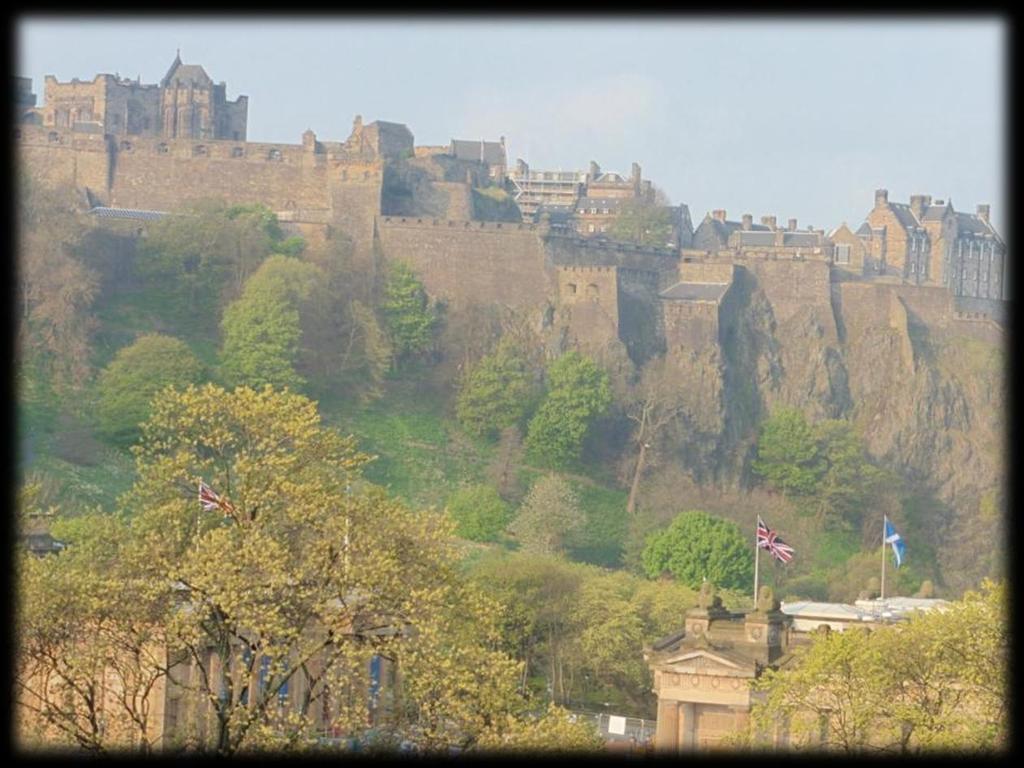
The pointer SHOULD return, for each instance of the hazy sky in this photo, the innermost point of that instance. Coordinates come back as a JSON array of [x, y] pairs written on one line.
[[800, 118]]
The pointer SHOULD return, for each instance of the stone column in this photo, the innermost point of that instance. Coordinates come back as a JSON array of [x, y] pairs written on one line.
[[666, 732], [687, 725]]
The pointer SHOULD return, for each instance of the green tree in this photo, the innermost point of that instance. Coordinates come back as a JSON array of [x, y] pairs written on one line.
[[578, 392], [261, 338], [554, 731], [56, 289], [497, 393], [303, 573], [548, 517], [788, 453], [644, 220], [131, 380], [263, 329], [698, 546], [409, 318], [89, 634], [479, 512], [935, 683]]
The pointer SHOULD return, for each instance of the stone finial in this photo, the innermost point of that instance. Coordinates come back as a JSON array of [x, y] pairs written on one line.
[[792, 225], [748, 221], [927, 589], [881, 197], [706, 598], [873, 587], [766, 602]]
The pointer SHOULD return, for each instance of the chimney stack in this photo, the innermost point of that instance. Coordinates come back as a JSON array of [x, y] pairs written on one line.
[[881, 197], [748, 222], [918, 203], [636, 173], [769, 221], [521, 167], [983, 211], [792, 225], [718, 214], [595, 170]]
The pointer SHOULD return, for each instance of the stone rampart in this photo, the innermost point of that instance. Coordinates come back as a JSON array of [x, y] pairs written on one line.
[[472, 262]]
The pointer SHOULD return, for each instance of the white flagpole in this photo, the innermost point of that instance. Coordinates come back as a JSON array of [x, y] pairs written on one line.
[[884, 518], [757, 557]]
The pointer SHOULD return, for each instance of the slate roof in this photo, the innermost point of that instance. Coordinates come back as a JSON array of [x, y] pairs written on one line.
[[490, 152], [904, 215], [611, 177], [935, 212], [864, 229], [127, 213], [757, 238], [42, 543], [969, 223], [695, 292], [185, 73], [808, 239]]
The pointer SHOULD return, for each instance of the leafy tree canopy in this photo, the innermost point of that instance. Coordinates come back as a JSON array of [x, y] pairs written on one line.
[[644, 220], [578, 392], [698, 546], [479, 512], [549, 516], [129, 383], [936, 683], [409, 318], [263, 329], [497, 393]]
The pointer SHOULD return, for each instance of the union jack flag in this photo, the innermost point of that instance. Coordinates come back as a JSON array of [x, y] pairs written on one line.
[[768, 539], [212, 500]]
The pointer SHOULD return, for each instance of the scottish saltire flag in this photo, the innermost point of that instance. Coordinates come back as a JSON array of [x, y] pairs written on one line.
[[891, 537], [768, 539], [211, 500]]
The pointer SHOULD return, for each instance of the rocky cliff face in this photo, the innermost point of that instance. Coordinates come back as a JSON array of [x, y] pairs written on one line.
[[925, 389]]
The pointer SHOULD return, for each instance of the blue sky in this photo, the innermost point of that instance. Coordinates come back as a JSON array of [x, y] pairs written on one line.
[[797, 118]]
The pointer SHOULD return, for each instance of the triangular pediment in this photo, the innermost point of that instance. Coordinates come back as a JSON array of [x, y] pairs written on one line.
[[702, 660]]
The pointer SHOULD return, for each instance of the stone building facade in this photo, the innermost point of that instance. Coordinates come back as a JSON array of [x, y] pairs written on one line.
[[185, 104], [702, 673], [930, 243]]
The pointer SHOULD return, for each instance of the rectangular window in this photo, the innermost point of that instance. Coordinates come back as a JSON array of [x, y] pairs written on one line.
[[842, 254]]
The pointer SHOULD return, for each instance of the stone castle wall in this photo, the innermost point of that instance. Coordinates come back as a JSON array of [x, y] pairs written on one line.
[[470, 262]]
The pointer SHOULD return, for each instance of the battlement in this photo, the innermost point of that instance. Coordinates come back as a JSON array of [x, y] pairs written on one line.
[[426, 222], [600, 244]]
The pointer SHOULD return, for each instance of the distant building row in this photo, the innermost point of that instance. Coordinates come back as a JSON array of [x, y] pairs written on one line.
[[923, 242]]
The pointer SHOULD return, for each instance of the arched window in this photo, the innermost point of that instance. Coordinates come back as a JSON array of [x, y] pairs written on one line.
[[571, 288], [274, 154], [592, 292]]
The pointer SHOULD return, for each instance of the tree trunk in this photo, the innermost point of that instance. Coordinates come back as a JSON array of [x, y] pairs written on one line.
[[635, 486]]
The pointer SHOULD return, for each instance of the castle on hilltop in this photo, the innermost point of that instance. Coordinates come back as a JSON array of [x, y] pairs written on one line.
[[481, 231], [185, 104]]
